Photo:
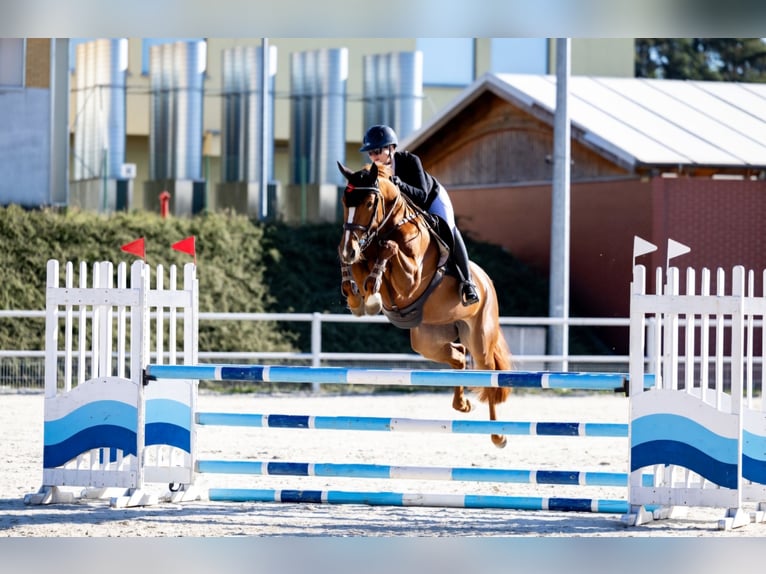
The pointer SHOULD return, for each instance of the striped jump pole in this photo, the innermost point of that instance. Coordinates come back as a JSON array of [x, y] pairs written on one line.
[[528, 428], [413, 499], [395, 377], [381, 471]]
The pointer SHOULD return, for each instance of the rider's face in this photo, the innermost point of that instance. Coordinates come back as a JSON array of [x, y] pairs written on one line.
[[381, 155]]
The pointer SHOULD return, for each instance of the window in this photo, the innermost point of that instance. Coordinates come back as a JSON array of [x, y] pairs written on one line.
[[447, 61], [12, 62]]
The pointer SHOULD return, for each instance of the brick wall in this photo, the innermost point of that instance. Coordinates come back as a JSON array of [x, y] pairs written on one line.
[[38, 63], [721, 220]]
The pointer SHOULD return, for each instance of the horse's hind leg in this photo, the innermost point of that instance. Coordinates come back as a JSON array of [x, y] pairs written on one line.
[[453, 354], [493, 397]]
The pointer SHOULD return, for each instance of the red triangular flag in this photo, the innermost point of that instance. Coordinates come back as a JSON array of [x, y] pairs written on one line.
[[186, 246], [136, 248]]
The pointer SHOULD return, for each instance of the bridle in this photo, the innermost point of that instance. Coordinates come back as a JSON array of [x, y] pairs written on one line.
[[368, 233]]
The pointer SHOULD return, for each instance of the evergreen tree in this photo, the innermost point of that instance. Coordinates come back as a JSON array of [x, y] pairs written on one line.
[[716, 59]]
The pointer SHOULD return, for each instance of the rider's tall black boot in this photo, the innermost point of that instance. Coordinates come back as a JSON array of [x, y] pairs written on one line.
[[468, 293]]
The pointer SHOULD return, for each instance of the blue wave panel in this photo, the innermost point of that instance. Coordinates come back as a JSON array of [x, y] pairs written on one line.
[[681, 454], [111, 413], [99, 436], [168, 434], [754, 457], [670, 427], [168, 411], [754, 470]]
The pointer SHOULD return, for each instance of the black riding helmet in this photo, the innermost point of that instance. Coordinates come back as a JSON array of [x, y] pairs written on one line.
[[378, 137]]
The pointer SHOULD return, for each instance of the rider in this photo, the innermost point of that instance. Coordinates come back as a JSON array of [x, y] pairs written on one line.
[[380, 144]]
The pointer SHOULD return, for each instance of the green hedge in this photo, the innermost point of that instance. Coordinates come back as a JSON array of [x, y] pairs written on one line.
[[243, 266]]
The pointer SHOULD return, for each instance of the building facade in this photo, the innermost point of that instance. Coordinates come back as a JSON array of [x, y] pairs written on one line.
[[448, 66]]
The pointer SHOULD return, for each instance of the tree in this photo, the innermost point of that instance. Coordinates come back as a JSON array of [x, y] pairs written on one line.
[[717, 59]]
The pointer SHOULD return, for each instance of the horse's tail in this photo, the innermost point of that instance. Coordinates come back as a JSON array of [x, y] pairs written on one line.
[[499, 354]]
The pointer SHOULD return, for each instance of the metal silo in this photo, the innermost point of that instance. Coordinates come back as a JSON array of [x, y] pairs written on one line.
[[318, 93], [230, 133], [189, 61], [406, 73], [248, 130], [298, 146], [99, 130], [393, 91], [318, 133], [332, 76], [177, 72]]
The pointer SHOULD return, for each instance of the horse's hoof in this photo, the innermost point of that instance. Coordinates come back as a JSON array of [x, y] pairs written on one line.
[[464, 407], [373, 304], [499, 441]]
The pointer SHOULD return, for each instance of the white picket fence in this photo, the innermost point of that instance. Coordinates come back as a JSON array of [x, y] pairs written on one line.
[[702, 426]]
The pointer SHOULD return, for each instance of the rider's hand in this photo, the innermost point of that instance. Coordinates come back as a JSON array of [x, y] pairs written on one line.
[[395, 180]]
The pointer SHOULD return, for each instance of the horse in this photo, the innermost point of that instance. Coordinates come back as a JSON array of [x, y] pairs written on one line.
[[393, 260]]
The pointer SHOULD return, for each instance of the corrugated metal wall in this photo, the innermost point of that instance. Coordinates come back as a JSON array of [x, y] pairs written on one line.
[[99, 130], [393, 91], [176, 75], [318, 115], [242, 125]]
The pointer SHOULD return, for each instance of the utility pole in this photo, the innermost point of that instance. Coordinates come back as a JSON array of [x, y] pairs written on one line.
[[263, 183], [558, 307]]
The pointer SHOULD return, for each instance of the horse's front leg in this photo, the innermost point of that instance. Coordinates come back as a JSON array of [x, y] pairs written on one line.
[[371, 286], [373, 303], [351, 291]]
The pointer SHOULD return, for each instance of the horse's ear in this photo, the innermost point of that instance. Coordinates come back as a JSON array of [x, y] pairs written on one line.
[[347, 173], [374, 170]]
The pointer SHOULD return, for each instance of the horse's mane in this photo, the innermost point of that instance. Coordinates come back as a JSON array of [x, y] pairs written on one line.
[[384, 171]]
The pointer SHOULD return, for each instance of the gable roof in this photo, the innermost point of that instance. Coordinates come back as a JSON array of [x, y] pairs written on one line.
[[639, 121]]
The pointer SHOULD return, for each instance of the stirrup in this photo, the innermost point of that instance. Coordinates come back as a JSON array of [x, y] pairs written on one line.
[[468, 294]]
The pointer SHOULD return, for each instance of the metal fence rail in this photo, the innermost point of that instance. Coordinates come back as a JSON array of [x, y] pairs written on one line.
[[23, 370]]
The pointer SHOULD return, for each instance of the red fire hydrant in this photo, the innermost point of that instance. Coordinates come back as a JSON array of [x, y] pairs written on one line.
[[164, 204]]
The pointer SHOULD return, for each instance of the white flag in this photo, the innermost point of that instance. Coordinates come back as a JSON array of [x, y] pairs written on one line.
[[675, 249], [642, 246]]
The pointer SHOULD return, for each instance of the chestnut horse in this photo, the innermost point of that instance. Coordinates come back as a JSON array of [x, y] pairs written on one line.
[[392, 261]]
